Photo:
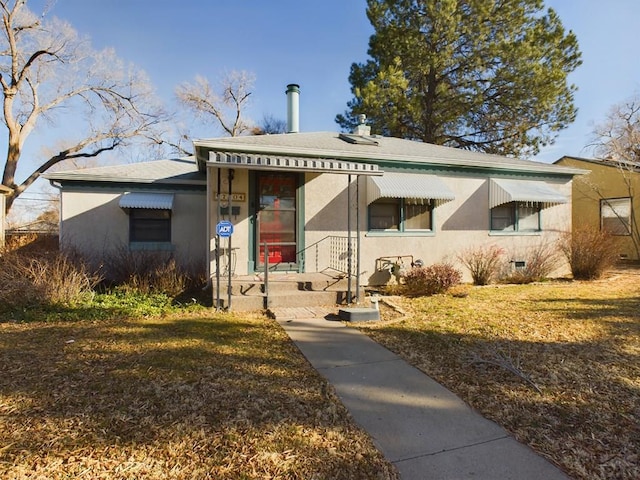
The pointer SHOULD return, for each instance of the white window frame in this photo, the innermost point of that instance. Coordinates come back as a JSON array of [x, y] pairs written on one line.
[[616, 211]]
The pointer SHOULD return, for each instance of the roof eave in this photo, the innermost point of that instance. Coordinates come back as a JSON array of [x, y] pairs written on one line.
[[400, 159]]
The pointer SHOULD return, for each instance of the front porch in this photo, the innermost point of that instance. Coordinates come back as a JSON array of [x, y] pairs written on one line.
[[276, 290]]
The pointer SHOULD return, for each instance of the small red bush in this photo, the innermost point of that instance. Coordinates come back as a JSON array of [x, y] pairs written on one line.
[[437, 278]]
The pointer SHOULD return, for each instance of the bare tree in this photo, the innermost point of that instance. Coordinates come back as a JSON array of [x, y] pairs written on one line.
[[224, 107], [616, 141], [270, 125], [49, 75]]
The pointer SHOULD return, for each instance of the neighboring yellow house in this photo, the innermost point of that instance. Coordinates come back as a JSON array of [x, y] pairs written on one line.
[[4, 191], [605, 198]]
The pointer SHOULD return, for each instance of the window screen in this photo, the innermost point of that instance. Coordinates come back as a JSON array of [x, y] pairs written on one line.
[[616, 215], [149, 225]]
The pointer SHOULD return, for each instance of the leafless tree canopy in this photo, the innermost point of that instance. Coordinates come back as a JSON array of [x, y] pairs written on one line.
[[47, 72], [270, 125], [617, 138], [223, 107]]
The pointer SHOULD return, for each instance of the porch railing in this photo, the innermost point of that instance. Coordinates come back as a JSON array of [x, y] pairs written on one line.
[[332, 252]]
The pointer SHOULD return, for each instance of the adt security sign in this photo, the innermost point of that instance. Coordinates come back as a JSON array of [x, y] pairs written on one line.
[[224, 229]]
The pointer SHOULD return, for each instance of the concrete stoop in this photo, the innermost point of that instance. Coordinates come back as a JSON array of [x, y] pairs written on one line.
[[286, 291]]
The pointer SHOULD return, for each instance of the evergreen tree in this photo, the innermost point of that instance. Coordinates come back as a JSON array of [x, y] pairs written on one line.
[[487, 75]]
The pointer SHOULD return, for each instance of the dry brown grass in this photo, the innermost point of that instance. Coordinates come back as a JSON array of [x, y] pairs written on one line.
[[206, 396], [579, 342]]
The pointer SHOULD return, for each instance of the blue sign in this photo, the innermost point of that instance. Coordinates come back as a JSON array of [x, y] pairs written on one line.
[[224, 229]]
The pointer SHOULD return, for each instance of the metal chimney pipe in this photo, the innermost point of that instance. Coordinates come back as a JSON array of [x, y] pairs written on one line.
[[293, 108]]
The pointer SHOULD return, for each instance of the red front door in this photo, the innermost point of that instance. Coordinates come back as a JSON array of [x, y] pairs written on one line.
[[276, 218]]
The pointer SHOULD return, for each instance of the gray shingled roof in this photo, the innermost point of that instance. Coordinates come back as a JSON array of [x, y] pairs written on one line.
[[604, 162], [388, 149], [171, 171]]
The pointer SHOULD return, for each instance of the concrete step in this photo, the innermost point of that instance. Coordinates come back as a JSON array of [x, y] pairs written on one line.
[[241, 303], [293, 313], [276, 286], [305, 299], [285, 290], [293, 299]]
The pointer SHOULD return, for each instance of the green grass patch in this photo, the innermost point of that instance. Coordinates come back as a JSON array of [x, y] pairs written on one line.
[[118, 303]]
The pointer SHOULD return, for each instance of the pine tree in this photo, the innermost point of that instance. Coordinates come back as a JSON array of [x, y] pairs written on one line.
[[486, 75]]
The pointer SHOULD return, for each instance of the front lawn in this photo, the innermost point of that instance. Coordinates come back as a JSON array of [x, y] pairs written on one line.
[[573, 392], [184, 396]]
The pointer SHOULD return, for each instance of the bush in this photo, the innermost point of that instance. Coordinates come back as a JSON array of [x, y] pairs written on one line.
[[539, 262], [36, 280], [150, 272], [589, 251], [437, 278], [483, 263]]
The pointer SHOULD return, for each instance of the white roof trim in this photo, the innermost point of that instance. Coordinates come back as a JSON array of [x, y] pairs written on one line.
[[408, 185], [303, 164], [153, 201], [532, 191]]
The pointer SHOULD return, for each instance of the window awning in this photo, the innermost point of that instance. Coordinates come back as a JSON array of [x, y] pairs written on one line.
[[408, 185], [284, 163], [155, 201], [532, 191]]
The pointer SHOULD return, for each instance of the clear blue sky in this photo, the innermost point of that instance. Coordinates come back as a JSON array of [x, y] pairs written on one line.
[[313, 43]]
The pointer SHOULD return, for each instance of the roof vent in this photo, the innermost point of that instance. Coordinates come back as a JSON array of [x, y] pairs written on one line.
[[293, 108], [362, 128], [357, 139]]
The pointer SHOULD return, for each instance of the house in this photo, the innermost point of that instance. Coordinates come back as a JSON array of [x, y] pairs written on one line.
[[151, 206], [4, 191], [357, 203], [605, 199]]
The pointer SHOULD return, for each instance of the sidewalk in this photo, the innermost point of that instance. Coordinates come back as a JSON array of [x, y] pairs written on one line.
[[421, 427]]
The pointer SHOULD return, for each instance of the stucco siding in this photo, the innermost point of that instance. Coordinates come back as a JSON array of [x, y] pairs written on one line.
[[240, 240], [603, 182], [93, 223], [458, 225]]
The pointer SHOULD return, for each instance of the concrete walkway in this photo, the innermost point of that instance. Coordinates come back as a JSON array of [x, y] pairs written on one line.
[[421, 427]]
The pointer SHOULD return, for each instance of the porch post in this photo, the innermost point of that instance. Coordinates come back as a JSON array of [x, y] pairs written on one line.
[[229, 264], [358, 239], [349, 251], [218, 242]]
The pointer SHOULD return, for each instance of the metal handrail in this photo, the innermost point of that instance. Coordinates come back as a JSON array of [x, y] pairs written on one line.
[[300, 256]]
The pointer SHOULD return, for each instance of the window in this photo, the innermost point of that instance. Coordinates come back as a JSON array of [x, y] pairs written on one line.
[[400, 214], [149, 225], [615, 215], [516, 217]]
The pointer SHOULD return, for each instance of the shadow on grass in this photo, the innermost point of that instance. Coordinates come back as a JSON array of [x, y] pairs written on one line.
[[587, 416], [608, 310], [220, 386]]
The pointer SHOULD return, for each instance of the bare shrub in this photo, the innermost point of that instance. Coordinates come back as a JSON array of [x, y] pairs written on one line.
[[437, 278], [31, 242], [43, 279], [539, 261], [589, 251], [483, 262], [165, 278], [150, 272]]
